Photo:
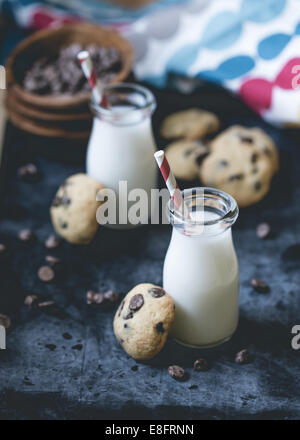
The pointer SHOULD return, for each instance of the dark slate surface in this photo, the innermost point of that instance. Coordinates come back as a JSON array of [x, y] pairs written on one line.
[[97, 382]]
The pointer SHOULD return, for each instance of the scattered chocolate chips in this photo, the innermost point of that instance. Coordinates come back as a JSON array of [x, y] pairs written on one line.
[[26, 235], [129, 315], [2, 248], [94, 298], [67, 336], [52, 242], [259, 285], [176, 372], [239, 176], [201, 365], [160, 327], [77, 347], [136, 302], [263, 230], [157, 292], [111, 296], [246, 139], [50, 347], [28, 173], [52, 261], [28, 382], [31, 301], [134, 368], [46, 274], [46, 304], [243, 357], [5, 321]]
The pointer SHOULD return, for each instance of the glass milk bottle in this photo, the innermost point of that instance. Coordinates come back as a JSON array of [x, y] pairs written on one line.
[[121, 145], [201, 269]]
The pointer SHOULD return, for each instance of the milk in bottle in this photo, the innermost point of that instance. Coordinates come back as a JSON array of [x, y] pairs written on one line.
[[121, 145], [201, 270]]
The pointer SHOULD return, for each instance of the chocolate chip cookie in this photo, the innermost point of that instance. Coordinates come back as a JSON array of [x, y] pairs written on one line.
[[254, 138], [73, 210], [143, 320], [185, 158], [189, 124], [240, 171]]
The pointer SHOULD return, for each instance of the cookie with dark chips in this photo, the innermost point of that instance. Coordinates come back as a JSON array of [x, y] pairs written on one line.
[[143, 320]]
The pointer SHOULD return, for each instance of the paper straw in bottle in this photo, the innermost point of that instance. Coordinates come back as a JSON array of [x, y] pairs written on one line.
[[90, 74], [171, 183]]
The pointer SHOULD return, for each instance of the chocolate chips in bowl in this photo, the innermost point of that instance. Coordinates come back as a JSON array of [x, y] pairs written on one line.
[[61, 74], [44, 77]]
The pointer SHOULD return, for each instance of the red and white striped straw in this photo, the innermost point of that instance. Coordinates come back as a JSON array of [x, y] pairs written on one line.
[[171, 183], [90, 74]]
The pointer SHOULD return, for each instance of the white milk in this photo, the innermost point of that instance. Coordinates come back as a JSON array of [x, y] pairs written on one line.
[[201, 274], [121, 149]]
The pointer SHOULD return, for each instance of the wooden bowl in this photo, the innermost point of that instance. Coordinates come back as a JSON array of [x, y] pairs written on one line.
[[49, 42], [44, 129], [35, 113]]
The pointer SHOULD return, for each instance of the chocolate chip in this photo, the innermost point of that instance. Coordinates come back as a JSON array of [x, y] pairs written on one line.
[[246, 139], [77, 347], [52, 261], [193, 387], [46, 274], [121, 308], [26, 235], [268, 152], [5, 321], [46, 304], [257, 186], [62, 224], [239, 176], [263, 230], [56, 202], [243, 357], [254, 157], [160, 327], [129, 315], [94, 298], [2, 248], [52, 242], [223, 163], [259, 285], [67, 336], [50, 347], [136, 302], [157, 292], [176, 372], [134, 368], [31, 301], [28, 173], [111, 296], [201, 365], [188, 152], [126, 326], [200, 158]]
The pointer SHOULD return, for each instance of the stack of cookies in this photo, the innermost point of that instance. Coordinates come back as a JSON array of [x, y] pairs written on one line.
[[240, 161]]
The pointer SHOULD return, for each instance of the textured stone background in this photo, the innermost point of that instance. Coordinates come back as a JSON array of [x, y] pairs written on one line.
[[97, 382]]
